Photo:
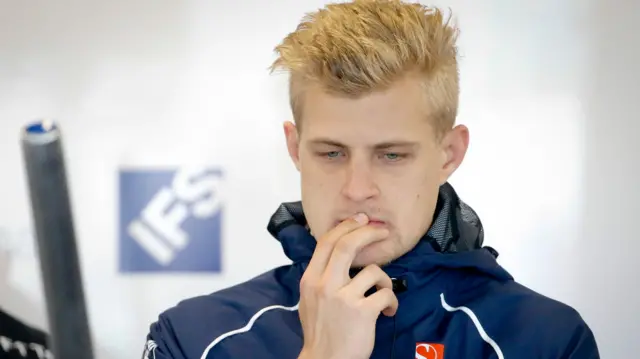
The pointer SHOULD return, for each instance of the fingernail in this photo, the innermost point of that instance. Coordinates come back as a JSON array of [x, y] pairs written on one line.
[[361, 218]]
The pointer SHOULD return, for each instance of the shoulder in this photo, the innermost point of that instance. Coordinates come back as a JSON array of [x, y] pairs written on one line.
[[522, 302], [233, 306], [517, 314], [194, 323]]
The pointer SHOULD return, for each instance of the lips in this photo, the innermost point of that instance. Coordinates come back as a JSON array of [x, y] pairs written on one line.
[[376, 223], [372, 222]]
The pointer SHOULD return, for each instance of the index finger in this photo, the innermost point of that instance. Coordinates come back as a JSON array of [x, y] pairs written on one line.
[[344, 252], [325, 245]]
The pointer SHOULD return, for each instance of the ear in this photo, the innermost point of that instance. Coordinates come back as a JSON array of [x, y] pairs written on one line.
[[454, 148], [293, 143]]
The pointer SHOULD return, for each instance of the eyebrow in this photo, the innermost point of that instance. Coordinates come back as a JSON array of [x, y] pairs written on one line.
[[381, 145]]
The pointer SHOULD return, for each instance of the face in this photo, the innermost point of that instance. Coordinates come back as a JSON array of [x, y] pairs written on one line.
[[378, 155]]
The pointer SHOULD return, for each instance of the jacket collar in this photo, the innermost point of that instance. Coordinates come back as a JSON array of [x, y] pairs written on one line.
[[456, 228]]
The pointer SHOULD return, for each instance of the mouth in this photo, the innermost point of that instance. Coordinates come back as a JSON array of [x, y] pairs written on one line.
[[377, 223], [372, 222]]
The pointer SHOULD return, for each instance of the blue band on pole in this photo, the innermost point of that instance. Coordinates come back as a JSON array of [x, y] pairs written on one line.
[[41, 127]]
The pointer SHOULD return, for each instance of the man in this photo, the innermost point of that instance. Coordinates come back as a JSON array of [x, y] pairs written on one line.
[[20, 341], [387, 261]]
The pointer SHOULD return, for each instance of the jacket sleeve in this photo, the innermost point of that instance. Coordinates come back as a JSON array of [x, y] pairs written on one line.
[[582, 344], [161, 342]]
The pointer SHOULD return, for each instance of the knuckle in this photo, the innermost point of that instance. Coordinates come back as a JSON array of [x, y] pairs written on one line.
[[386, 292], [374, 270], [324, 243], [346, 301], [321, 289], [392, 297], [328, 241], [344, 246], [305, 285]]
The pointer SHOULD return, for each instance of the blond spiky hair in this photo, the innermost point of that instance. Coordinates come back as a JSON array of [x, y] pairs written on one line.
[[355, 48]]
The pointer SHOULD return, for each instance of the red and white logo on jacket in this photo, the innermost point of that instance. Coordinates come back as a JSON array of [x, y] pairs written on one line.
[[429, 351]]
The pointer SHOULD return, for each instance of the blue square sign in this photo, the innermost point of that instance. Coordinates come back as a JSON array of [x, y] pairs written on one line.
[[170, 220]]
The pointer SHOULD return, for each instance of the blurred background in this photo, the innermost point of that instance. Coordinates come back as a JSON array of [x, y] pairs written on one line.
[[144, 89]]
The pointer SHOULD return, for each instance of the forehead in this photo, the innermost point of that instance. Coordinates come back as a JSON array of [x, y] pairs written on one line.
[[398, 113]]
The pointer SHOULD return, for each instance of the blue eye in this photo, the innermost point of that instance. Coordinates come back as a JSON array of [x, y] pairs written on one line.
[[393, 157], [329, 154]]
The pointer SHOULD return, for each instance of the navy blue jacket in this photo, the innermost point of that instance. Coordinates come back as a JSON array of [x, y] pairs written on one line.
[[455, 300]]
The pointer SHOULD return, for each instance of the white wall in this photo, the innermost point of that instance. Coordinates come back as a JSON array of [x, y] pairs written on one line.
[[549, 92]]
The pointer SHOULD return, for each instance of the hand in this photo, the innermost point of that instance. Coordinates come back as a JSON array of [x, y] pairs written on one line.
[[338, 321]]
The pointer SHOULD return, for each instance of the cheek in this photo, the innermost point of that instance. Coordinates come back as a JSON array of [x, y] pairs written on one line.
[[413, 202], [310, 167], [317, 177]]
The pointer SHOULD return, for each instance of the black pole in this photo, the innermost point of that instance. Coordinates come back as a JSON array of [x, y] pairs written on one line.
[[70, 336]]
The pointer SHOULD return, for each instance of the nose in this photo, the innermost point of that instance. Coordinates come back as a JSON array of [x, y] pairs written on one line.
[[359, 184]]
